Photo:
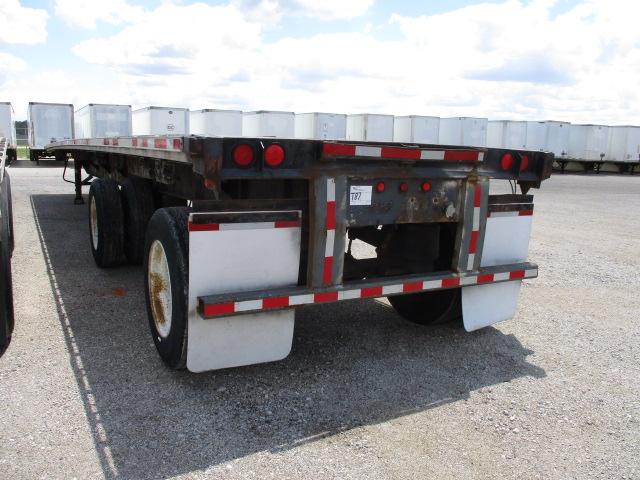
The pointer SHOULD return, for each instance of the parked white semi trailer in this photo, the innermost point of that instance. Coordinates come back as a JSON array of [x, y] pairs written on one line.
[[215, 123], [48, 122], [367, 127], [8, 132], [416, 129], [160, 121], [321, 126], [102, 120], [463, 131], [623, 150], [507, 134], [265, 225], [587, 146], [265, 123]]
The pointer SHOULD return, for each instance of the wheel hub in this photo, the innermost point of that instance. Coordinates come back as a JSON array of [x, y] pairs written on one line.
[[159, 280]]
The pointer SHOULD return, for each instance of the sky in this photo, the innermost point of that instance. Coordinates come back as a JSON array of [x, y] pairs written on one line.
[[571, 60]]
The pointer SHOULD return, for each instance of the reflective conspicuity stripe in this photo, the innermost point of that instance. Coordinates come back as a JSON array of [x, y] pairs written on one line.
[[151, 142], [213, 309], [513, 213], [337, 150], [475, 232], [327, 268], [215, 227]]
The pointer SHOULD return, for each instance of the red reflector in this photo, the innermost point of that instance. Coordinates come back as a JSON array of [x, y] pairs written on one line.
[[274, 155], [337, 149], [412, 287], [380, 187], [219, 309], [325, 297], [371, 292], [450, 282], [426, 186], [524, 163], [485, 278], [243, 155], [404, 186], [275, 302], [507, 161]]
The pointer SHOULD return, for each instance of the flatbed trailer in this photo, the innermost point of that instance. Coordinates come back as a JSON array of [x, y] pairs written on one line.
[[235, 233]]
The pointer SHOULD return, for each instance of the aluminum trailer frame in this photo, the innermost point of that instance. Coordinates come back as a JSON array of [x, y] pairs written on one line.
[[341, 191]]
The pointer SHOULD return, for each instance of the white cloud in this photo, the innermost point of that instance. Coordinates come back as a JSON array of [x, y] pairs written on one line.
[[85, 13], [21, 25], [511, 59], [272, 10]]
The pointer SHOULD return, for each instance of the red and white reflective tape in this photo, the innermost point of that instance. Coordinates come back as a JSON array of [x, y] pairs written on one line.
[[215, 227], [512, 213], [156, 143], [258, 304], [475, 231], [327, 269], [400, 153]]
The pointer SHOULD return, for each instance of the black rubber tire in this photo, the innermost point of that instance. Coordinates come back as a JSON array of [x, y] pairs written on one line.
[[7, 319], [169, 227], [109, 251], [429, 308], [137, 206], [9, 215], [6, 298]]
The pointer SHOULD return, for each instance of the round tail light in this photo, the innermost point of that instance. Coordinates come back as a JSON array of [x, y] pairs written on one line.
[[524, 163], [426, 186], [380, 187], [506, 162], [404, 186], [243, 155], [274, 155]]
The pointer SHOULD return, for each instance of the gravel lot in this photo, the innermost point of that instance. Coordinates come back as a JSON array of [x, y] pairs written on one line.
[[552, 394]]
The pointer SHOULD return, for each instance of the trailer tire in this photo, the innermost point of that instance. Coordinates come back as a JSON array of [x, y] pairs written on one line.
[[6, 297], [429, 308], [6, 285], [6, 191], [138, 206], [166, 266], [106, 234]]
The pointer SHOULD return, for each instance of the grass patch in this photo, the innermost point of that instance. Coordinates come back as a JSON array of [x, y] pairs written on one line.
[[23, 152]]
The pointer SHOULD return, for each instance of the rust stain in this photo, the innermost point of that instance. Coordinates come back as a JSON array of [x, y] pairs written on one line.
[[156, 286], [118, 292]]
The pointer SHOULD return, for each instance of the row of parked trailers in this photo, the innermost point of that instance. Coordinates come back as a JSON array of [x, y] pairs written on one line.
[[590, 145]]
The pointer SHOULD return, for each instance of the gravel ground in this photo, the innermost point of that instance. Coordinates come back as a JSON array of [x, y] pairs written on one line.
[[550, 394]]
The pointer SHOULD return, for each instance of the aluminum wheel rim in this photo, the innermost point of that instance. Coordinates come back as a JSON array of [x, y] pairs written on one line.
[[159, 280], [93, 220]]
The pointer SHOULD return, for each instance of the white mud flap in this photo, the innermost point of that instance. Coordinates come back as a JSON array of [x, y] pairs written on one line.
[[506, 241], [240, 257]]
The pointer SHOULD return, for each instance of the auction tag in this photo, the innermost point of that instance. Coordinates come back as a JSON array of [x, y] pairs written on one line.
[[360, 195]]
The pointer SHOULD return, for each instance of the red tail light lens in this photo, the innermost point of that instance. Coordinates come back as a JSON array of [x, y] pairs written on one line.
[[404, 186], [243, 155], [380, 187], [524, 163], [426, 186], [274, 155], [506, 162]]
